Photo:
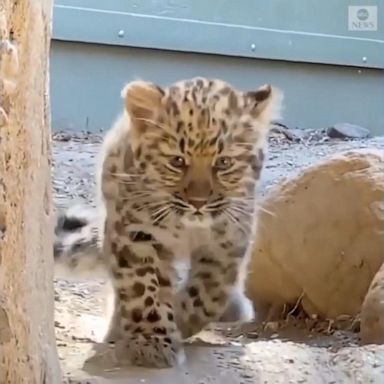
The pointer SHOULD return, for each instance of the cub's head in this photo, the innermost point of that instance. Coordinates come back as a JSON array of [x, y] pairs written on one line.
[[200, 144]]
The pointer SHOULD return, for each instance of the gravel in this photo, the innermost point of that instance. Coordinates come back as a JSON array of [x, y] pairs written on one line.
[[289, 355]]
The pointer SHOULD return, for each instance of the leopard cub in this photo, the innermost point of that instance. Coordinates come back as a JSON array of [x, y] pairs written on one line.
[[178, 180]]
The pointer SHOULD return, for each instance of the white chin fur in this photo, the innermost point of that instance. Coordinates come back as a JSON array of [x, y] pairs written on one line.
[[193, 221]]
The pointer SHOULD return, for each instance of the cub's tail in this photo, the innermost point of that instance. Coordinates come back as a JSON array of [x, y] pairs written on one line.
[[77, 250]]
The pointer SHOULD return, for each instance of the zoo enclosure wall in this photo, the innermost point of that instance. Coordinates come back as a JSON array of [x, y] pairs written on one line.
[[329, 63]]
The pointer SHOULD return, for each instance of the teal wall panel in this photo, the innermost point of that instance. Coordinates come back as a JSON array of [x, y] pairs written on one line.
[[328, 73], [86, 80], [300, 30]]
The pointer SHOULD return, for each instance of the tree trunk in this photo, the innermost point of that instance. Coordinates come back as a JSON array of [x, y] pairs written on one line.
[[27, 342]]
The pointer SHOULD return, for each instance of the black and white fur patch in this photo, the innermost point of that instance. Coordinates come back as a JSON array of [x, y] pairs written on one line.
[[77, 246]]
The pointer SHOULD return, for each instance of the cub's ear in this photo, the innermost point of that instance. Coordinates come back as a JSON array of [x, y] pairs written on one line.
[[141, 99], [265, 103]]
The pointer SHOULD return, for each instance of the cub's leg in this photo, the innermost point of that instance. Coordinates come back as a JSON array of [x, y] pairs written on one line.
[[239, 308], [113, 333], [215, 274], [147, 334]]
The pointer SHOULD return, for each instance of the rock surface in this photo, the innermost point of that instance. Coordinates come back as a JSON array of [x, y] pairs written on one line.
[[27, 341], [347, 131], [372, 312], [320, 239]]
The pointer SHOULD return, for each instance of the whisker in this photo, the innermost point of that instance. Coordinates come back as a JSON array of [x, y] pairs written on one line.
[[243, 201], [242, 198], [153, 193], [242, 211], [160, 218], [124, 174], [215, 208], [216, 204], [230, 218], [238, 204], [155, 123], [235, 221], [134, 197], [247, 206], [159, 211], [261, 208], [180, 204], [127, 182]]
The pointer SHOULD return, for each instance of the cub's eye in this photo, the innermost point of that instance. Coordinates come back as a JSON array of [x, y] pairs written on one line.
[[223, 163], [177, 162]]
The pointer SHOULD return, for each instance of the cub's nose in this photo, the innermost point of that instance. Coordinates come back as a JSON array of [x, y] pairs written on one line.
[[197, 203]]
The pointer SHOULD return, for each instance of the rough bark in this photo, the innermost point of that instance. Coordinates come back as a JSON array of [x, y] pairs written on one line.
[[27, 342]]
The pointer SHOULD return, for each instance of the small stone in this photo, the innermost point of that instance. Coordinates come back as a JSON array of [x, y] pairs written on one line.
[[62, 136], [346, 130], [272, 325], [290, 361]]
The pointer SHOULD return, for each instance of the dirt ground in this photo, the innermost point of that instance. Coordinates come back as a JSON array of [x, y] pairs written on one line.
[[224, 354]]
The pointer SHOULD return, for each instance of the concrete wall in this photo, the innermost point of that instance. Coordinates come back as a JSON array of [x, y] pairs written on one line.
[[328, 73]]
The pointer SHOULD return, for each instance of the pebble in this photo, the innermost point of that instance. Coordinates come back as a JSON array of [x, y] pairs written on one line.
[[347, 131]]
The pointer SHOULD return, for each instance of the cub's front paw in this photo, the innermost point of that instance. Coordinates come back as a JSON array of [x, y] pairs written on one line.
[[112, 336], [150, 351], [239, 309], [189, 328]]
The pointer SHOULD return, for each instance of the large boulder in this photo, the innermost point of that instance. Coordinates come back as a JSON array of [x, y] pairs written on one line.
[[320, 237], [372, 312]]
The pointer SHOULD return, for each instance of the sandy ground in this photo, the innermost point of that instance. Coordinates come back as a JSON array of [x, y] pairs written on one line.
[[223, 354]]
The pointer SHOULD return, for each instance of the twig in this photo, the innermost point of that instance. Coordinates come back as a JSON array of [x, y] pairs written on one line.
[[296, 306]]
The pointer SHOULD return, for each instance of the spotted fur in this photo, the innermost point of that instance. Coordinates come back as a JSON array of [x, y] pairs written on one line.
[[178, 179]]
